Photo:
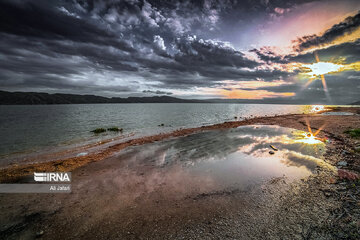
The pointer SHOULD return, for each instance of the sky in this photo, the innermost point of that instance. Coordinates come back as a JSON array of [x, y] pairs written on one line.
[[287, 50]]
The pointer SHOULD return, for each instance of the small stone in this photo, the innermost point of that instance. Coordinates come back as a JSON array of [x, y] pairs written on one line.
[[344, 174], [357, 148], [332, 180], [342, 164], [327, 194], [39, 233], [271, 152], [344, 152]]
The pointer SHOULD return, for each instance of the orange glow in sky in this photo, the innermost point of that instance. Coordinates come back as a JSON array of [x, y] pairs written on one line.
[[247, 89], [253, 94]]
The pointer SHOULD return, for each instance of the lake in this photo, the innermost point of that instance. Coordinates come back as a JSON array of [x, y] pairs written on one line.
[[39, 128]]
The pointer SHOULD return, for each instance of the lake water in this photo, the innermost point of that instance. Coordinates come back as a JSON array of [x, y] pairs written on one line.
[[235, 157], [211, 165], [38, 128]]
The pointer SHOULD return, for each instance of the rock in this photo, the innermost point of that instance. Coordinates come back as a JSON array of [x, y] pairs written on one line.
[[327, 194], [271, 152], [332, 180], [344, 174], [39, 233], [342, 164], [344, 152], [357, 148]]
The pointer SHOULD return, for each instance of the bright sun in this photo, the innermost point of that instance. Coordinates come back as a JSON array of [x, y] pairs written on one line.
[[321, 68]]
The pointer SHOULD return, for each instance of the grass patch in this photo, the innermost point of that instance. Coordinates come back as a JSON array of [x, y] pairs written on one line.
[[115, 129], [99, 130], [355, 133]]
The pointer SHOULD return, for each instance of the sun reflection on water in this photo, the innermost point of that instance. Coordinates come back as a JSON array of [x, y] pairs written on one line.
[[308, 138], [317, 108]]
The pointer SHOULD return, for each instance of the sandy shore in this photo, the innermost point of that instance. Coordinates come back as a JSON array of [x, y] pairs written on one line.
[[139, 204]]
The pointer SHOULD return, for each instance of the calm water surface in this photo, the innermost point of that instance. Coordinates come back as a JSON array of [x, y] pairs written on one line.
[[215, 163], [38, 128]]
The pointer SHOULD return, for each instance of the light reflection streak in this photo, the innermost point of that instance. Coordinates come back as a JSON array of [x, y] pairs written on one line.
[[319, 69], [310, 137]]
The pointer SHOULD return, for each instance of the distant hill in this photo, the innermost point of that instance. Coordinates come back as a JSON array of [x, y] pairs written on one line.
[[32, 98]]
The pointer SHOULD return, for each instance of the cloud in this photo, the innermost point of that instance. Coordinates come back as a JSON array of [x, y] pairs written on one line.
[[159, 43], [267, 55], [281, 11], [210, 53], [33, 20], [346, 27], [345, 53]]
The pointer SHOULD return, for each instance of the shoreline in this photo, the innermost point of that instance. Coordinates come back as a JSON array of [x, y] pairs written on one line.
[[15, 172]]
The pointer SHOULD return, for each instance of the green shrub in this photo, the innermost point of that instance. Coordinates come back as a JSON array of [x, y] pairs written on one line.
[[355, 133], [115, 129]]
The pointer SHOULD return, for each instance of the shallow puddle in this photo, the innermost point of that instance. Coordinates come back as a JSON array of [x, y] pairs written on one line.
[[224, 159]]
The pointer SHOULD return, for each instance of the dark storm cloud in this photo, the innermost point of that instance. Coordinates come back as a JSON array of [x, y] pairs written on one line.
[[32, 19], [346, 53], [210, 53], [54, 40], [267, 55], [53, 64], [292, 87], [349, 25]]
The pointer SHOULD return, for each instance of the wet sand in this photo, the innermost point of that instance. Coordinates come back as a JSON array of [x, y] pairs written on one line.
[[135, 194]]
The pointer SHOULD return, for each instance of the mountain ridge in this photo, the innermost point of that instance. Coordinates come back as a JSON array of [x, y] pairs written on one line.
[[37, 98], [40, 98]]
